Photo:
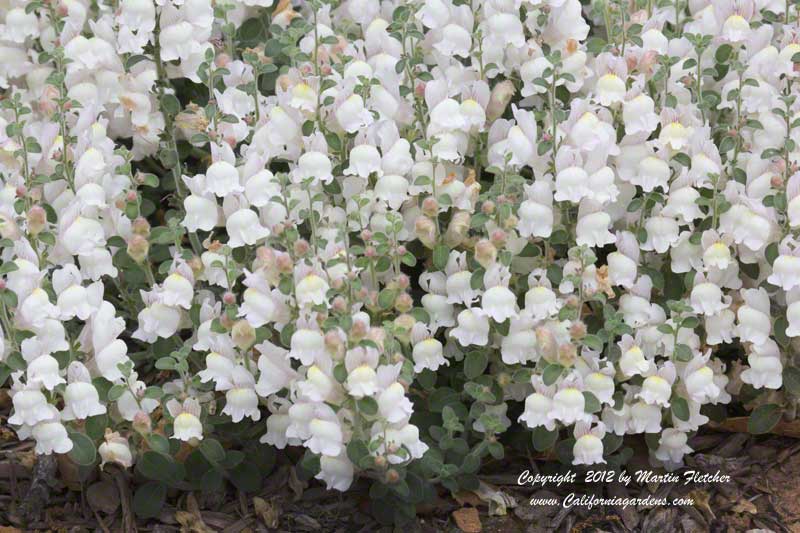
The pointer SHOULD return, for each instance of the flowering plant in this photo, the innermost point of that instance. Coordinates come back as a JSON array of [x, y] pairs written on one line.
[[405, 236]]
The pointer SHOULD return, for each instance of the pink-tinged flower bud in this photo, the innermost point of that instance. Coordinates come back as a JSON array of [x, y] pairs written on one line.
[[278, 229], [392, 476], [334, 344], [401, 250], [577, 330], [243, 334], [141, 227], [2, 284], [358, 331], [567, 354], [131, 196], [301, 247], [138, 248], [430, 206], [21, 191], [339, 304], [380, 462], [119, 203], [229, 298], [510, 222], [403, 303], [284, 263], [425, 230], [142, 423], [337, 284], [403, 281], [370, 251], [366, 235], [487, 207], [499, 238], [37, 219], [222, 60], [485, 253], [500, 97]]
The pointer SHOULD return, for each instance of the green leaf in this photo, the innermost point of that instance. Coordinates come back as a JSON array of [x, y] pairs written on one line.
[[764, 418], [683, 353], [368, 406], [791, 380], [475, 364], [441, 254], [212, 450], [593, 342], [116, 392], [551, 373], [591, 403], [149, 499], [83, 450], [246, 476], [543, 439], [159, 467], [680, 408]]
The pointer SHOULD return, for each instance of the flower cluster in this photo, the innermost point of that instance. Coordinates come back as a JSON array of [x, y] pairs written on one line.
[[390, 231]]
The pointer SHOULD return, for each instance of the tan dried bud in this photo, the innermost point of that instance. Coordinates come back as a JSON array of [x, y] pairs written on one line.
[[141, 227], [499, 99], [243, 334], [458, 229], [403, 303], [430, 206], [138, 248], [485, 253], [37, 219], [567, 354], [392, 476], [425, 230]]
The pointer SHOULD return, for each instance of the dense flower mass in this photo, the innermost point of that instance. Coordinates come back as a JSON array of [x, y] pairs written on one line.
[[392, 232]]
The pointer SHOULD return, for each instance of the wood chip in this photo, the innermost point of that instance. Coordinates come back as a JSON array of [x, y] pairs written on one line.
[[468, 520]]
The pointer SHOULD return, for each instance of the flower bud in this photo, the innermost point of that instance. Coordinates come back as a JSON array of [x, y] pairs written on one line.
[[229, 298], [358, 330], [380, 462], [284, 263], [138, 248], [511, 222], [499, 238], [499, 99], [567, 354], [37, 219], [141, 226], [403, 303], [392, 476], [577, 330], [485, 253], [243, 334], [301, 247], [458, 229], [142, 423], [403, 282], [425, 230], [430, 206]]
